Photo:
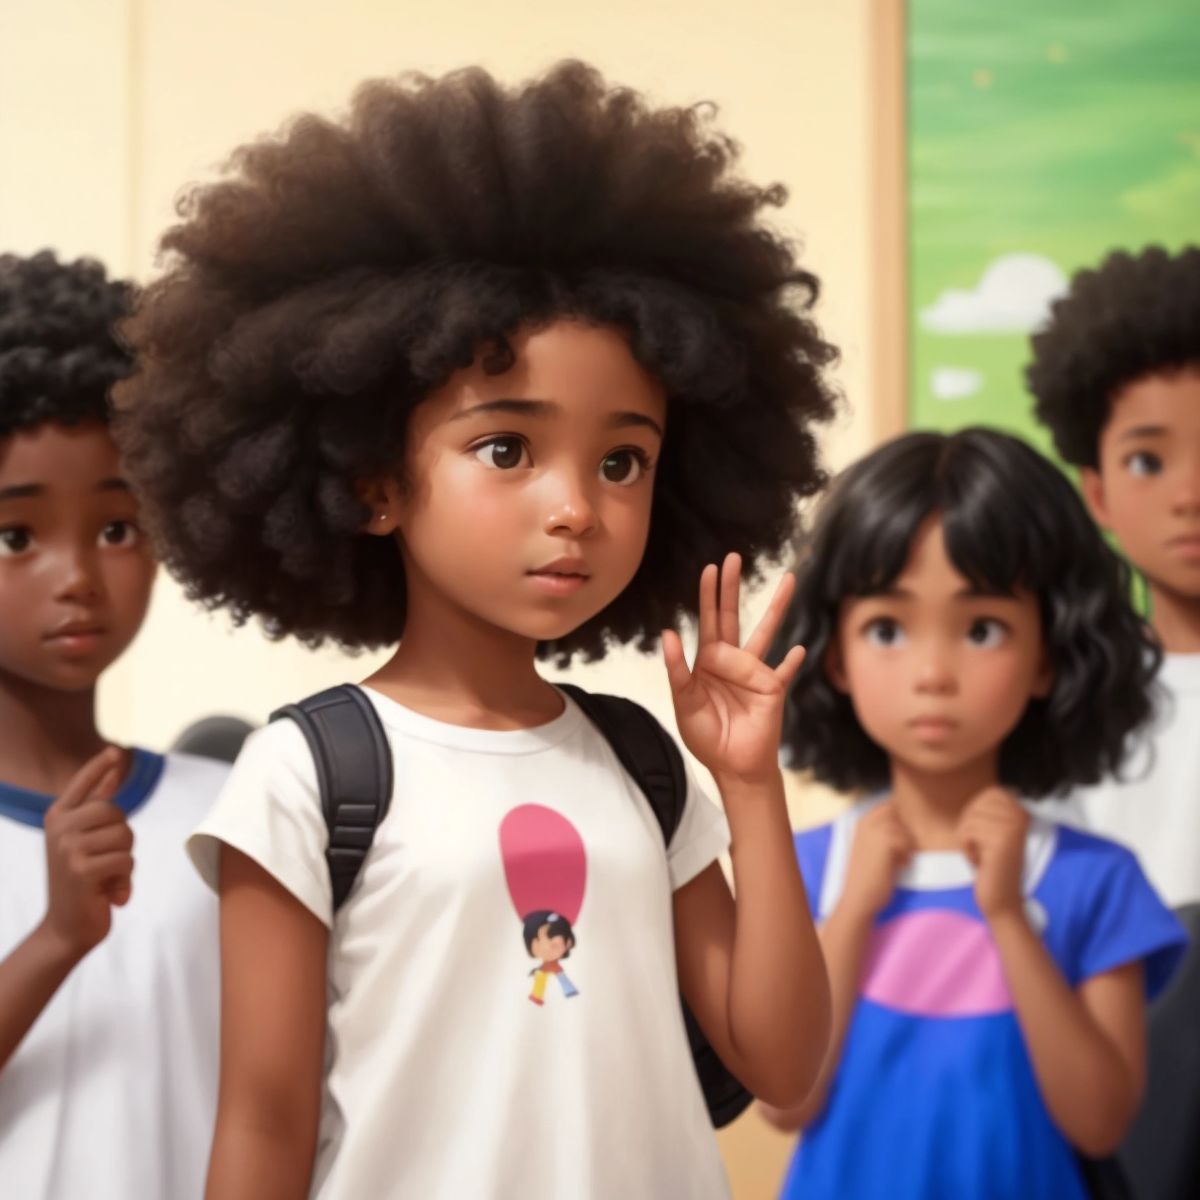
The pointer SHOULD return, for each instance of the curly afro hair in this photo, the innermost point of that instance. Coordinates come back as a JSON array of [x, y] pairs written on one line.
[[1133, 316], [58, 352], [1011, 519], [345, 269]]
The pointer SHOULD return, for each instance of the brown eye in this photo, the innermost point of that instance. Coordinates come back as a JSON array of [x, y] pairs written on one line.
[[623, 467], [501, 453], [987, 632], [1143, 462], [883, 631], [15, 540], [119, 533]]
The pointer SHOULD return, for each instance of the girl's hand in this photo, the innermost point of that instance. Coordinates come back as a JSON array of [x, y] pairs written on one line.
[[991, 831], [729, 706], [882, 846], [89, 863]]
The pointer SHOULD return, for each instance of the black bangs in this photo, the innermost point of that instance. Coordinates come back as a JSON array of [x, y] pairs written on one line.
[[1008, 523], [868, 521], [1010, 520]]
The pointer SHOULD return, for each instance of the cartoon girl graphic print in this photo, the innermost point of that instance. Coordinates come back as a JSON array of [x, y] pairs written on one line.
[[548, 937], [545, 867]]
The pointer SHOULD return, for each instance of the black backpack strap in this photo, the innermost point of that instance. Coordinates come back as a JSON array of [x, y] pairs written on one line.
[[645, 749], [354, 775]]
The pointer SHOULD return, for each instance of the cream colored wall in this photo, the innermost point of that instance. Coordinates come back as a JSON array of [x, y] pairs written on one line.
[[65, 124], [107, 107]]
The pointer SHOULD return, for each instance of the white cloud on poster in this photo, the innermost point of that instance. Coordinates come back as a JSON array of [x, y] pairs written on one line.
[[954, 383], [1013, 296]]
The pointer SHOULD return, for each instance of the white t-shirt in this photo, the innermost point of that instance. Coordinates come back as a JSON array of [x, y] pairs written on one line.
[[1155, 808], [112, 1093], [456, 1067]]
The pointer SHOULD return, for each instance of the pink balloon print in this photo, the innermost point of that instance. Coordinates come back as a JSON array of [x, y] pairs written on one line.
[[545, 865]]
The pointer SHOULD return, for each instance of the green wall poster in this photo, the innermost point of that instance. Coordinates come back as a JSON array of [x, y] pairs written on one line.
[[1041, 134]]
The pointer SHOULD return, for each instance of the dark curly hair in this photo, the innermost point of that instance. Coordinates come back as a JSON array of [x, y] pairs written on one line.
[[1010, 519], [1133, 316], [346, 269], [58, 352]]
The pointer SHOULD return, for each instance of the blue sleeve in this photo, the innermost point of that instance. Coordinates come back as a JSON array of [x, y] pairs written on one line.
[[812, 849], [1124, 920]]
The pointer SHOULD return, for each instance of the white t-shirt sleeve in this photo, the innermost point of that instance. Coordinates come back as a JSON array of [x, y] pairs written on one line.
[[701, 838], [270, 810]]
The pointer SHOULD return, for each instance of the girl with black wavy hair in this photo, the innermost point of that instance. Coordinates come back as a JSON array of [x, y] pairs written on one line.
[[491, 373], [970, 649]]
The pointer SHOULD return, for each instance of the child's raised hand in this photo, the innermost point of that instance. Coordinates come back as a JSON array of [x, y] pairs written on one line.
[[89, 863], [729, 706], [882, 846], [991, 831]]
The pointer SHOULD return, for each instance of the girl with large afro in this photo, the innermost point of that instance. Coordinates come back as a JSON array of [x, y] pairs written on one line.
[[487, 373]]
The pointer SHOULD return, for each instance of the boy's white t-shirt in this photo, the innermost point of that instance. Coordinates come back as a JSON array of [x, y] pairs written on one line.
[[112, 1093], [1155, 807], [445, 1077]]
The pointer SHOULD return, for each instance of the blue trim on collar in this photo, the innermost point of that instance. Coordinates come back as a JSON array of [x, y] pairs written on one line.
[[28, 807]]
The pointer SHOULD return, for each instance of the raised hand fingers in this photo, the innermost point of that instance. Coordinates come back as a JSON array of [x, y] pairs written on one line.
[[107, 869], [978, 829], [89, 852], [764, 632], [993, 808], [792, 662], [114, 875], [106, 840], [97, 778], [678, 675], [96, 814], [709, 629], [727, 608], [734, 666], [720, 589], [886, 820], [101, 856]]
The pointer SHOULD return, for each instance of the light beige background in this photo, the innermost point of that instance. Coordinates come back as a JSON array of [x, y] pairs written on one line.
[[107, 107]]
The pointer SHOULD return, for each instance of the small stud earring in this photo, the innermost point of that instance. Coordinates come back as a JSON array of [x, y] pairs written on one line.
[[383, 516]]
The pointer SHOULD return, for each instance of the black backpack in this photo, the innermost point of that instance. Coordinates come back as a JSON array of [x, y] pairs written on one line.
[[354, 775]]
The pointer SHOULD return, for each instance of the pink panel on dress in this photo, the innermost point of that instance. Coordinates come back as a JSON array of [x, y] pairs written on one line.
[[936, 963]]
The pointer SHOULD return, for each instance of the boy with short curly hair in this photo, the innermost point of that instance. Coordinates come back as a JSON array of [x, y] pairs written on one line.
[[1116, 376], [108, 1019]]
